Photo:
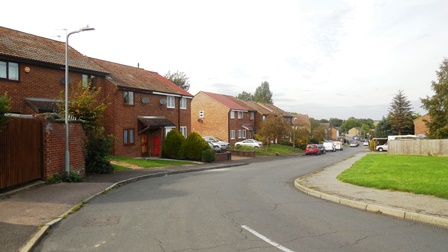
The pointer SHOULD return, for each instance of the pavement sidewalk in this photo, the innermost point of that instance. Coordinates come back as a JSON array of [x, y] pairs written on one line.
[[325, 185]]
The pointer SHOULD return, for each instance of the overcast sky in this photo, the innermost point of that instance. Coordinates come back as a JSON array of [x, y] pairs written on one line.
[[324, 58]]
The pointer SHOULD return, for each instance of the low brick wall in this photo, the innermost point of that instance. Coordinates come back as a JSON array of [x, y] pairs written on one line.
[[224, 156], [243, 153]]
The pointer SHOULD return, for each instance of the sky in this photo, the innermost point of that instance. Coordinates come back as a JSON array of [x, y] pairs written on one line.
[[323, 58]]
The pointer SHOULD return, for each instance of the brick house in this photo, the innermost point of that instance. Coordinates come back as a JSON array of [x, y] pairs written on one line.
[[420, 125], [302, 121], [221, 116], [142, 105]]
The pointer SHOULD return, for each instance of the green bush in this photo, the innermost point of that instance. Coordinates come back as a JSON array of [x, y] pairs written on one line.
[[193, 146], [97, 148], [172, 146], [62, 177], [208, 156], [4, 108]]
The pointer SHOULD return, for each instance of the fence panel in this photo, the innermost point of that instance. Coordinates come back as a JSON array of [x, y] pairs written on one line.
[[437, 147], [20, 152]]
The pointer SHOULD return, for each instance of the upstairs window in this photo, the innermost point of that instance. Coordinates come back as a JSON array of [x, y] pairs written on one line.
[[240, 114], [88, 80], [183, 103], [128, 97], [252, 115], [232, 114], [170, 102], [9, 70]]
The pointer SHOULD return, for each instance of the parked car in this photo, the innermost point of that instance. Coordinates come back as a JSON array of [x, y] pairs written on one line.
[[250, 142], [217, 143], [338, 145], [322, 149], [365, 143], [312, 149], [354, 144], [382, 148], [216, 148], [330, 146]]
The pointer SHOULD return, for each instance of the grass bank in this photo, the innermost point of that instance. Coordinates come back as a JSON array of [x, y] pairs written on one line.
[[145, 163], [415, 174]]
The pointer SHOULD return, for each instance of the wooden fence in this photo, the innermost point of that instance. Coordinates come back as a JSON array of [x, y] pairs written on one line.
[[424, 147], [20, 152]]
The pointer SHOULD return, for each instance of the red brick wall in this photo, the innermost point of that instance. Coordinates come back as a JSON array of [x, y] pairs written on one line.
[[54, 147]]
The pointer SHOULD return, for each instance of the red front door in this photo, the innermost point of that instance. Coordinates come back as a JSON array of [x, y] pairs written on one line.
[[156, 148]]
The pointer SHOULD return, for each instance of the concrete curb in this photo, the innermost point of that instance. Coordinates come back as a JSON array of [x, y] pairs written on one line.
[[395, 212], [36, 238]]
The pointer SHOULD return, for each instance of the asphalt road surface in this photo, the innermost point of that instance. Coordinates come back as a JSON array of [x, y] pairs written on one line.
[[247, 208]]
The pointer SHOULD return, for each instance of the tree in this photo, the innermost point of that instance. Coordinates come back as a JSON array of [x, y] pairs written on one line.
[[4, 108], [336, 122], [245, 96], [263, 94], [179, 78], [384, 129], [400, 114], [437, 105], [350, 123], [274, 128], [315, 124], [365, 129]]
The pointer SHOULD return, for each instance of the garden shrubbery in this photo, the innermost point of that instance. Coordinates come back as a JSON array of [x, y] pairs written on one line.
[[172, 146], [193, 146]]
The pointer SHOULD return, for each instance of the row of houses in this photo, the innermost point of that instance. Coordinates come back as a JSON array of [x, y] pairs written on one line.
[[143, 106]]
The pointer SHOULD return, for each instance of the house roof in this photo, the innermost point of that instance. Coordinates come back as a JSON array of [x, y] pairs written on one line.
[[226, 100], [255, 106], [301, 120], [26, 46], [139, 78], [42, 105], [273, 108]]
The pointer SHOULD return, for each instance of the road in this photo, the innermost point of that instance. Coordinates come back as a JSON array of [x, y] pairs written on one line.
[[246, 208]]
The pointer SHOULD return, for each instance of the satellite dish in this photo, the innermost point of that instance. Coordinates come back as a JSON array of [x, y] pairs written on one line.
[[145, 100], [162, 101]]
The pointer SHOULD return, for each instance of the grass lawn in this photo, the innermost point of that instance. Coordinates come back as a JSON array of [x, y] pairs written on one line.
[[147, 163], [415, 174], [273, 150]]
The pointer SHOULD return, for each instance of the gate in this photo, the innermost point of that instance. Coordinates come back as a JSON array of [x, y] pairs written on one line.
[[21, 158]]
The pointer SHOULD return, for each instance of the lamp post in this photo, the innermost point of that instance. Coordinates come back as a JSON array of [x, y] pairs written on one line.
[[67, 152], [294, 135]]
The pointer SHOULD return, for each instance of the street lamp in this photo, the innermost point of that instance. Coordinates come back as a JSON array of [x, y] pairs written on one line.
[[67, 152], [294, 135]]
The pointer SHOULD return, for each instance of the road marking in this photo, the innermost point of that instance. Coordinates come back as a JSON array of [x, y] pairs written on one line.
[[264, 238]]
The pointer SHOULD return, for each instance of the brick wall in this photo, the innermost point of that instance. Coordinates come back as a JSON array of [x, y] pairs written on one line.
[[54, 147]]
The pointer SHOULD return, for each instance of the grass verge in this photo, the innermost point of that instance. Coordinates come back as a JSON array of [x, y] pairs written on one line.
[[415, 174], [147, 163]]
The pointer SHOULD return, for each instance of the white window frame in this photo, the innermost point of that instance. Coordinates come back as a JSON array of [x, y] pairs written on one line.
[[232, 134], [232, 114], [252, 115], [240, 114], [239, 134], [170, 102], [130, 99], [168, 129], [244, 134], [9, 70], [183, 130], [183, 103]]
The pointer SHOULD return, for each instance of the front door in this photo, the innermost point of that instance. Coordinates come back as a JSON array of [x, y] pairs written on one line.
[[156, 148], [144, 144]]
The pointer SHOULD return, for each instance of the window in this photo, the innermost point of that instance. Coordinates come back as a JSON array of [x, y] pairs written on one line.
[[168, 129], [85, 80], [232, 134], [239, 134], [232, 114], [244, 133], [128, 136], [183, 130], [128, 97], [170, 102], [264, 117], [240, 114], [183, 103], [9, 70], [252, 115]]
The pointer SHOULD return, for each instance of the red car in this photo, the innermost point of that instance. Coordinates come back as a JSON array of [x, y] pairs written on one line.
[[312, 149]]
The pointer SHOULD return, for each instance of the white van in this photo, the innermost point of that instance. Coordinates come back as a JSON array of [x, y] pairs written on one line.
[[329, 146], [338, 145]]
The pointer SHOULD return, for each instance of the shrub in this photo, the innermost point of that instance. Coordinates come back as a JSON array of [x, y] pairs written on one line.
[[172, 146], [63, 177], [97, 148], [208, 156], [193, 146], [4, 108]]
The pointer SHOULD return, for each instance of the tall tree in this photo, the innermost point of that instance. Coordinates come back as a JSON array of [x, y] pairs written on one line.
[[275, 127], [245, 96], [263, 93], [437, 105], [400, 114], [383, 128], [179, 78], [336, 122]]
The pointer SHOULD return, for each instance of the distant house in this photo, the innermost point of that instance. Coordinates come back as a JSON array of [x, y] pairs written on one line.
[[302, 121], [142, 105], [356, 131], [331, 132], [420, 125]]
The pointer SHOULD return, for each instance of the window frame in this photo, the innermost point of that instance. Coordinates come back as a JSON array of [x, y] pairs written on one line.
[[252, 115], [170, 101], [243, 134], [240, 115], [232, 114], [184, 131], [8, 69], [232, 134], [239, 134], [183, 103], [128, 136], [128, 102]]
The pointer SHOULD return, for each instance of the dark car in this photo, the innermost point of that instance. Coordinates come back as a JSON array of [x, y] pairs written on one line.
[[322, 149], [312, 149]]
